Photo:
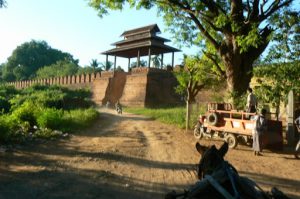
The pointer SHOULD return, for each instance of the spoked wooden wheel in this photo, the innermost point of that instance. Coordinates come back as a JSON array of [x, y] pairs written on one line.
[[231, 140], [198, 131]]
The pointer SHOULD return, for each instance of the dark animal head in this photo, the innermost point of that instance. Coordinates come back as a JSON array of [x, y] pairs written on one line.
[[211, 159]]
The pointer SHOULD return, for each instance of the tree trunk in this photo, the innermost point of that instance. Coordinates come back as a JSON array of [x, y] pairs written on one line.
[[188, 116], [238, 76], [238, 65]]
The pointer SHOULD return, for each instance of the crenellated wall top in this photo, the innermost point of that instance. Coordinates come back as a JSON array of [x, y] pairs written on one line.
[[107, 73], [84, 78], [69, 79], [146, 70]]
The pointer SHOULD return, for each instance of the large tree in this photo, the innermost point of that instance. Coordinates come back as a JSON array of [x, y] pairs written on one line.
[[236, 31], [276, 81], [280, 70], [195, 75], [285, 47], [60, 68], [27, 58]]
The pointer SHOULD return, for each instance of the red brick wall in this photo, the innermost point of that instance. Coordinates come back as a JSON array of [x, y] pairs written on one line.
[[134, 93], [141, 87]]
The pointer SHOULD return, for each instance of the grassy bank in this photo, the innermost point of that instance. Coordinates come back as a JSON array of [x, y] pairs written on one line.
[[174, 116], [43, 112]]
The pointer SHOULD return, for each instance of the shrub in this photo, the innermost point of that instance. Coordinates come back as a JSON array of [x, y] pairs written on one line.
[[78, 119], [8, 91], [8, 128], [50, 118], [59, 97], [4, 105], [45, 107], [51, 98], [26, 113], [74, 99], [4, 129]]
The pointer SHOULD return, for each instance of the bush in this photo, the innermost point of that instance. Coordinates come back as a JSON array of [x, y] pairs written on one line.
[[54, 97], [8, 128], [26, 113], [50, 118], [59, 97], [78, 119], [4, 105], [8, 91], [4, 129], [44, 106], [75, 99]]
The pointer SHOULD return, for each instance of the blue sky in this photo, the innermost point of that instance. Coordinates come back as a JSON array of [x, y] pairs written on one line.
[[74, 27]]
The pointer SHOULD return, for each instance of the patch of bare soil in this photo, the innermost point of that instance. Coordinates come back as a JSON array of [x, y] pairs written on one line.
[[128, 156]]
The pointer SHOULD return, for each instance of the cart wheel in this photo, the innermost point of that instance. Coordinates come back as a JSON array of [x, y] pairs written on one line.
[[231, 140], [198, 134], [212, 119]]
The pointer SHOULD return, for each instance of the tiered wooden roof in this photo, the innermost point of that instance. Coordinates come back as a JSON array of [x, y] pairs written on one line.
[[138, 42]]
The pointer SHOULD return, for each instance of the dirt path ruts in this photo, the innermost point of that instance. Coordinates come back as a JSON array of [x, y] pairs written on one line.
[[124, 157]]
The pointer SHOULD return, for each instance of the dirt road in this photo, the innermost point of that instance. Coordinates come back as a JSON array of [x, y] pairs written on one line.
[[127, 157]]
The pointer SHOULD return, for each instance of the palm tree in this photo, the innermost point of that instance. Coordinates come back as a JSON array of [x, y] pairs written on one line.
[[143, 63], [107, 66], [156, 61], [94, 64]]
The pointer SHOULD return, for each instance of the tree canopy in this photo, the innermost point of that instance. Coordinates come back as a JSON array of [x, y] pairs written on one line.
[[286, 43], [234, 32], [88, 70], [29, 57], [195, 75], [60, 68], [280, 70], [276, 81]]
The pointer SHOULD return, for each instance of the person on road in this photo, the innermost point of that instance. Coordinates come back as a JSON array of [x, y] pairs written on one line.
[[118, 107], [107, 104], [260, 126], [297, 149], [251, 102]]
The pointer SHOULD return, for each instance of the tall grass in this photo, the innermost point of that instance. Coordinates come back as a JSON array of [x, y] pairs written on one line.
[[78, 119], [175, 116]]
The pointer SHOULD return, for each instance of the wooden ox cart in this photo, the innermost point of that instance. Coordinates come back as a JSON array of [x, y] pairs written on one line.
[[222, 122]]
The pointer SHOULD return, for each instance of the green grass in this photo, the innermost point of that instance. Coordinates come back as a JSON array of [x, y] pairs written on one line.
[[78, 119], [174, 116]]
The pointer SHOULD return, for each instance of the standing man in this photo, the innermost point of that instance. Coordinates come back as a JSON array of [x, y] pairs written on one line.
[[297, 149], [251, 105], [260, 126]]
